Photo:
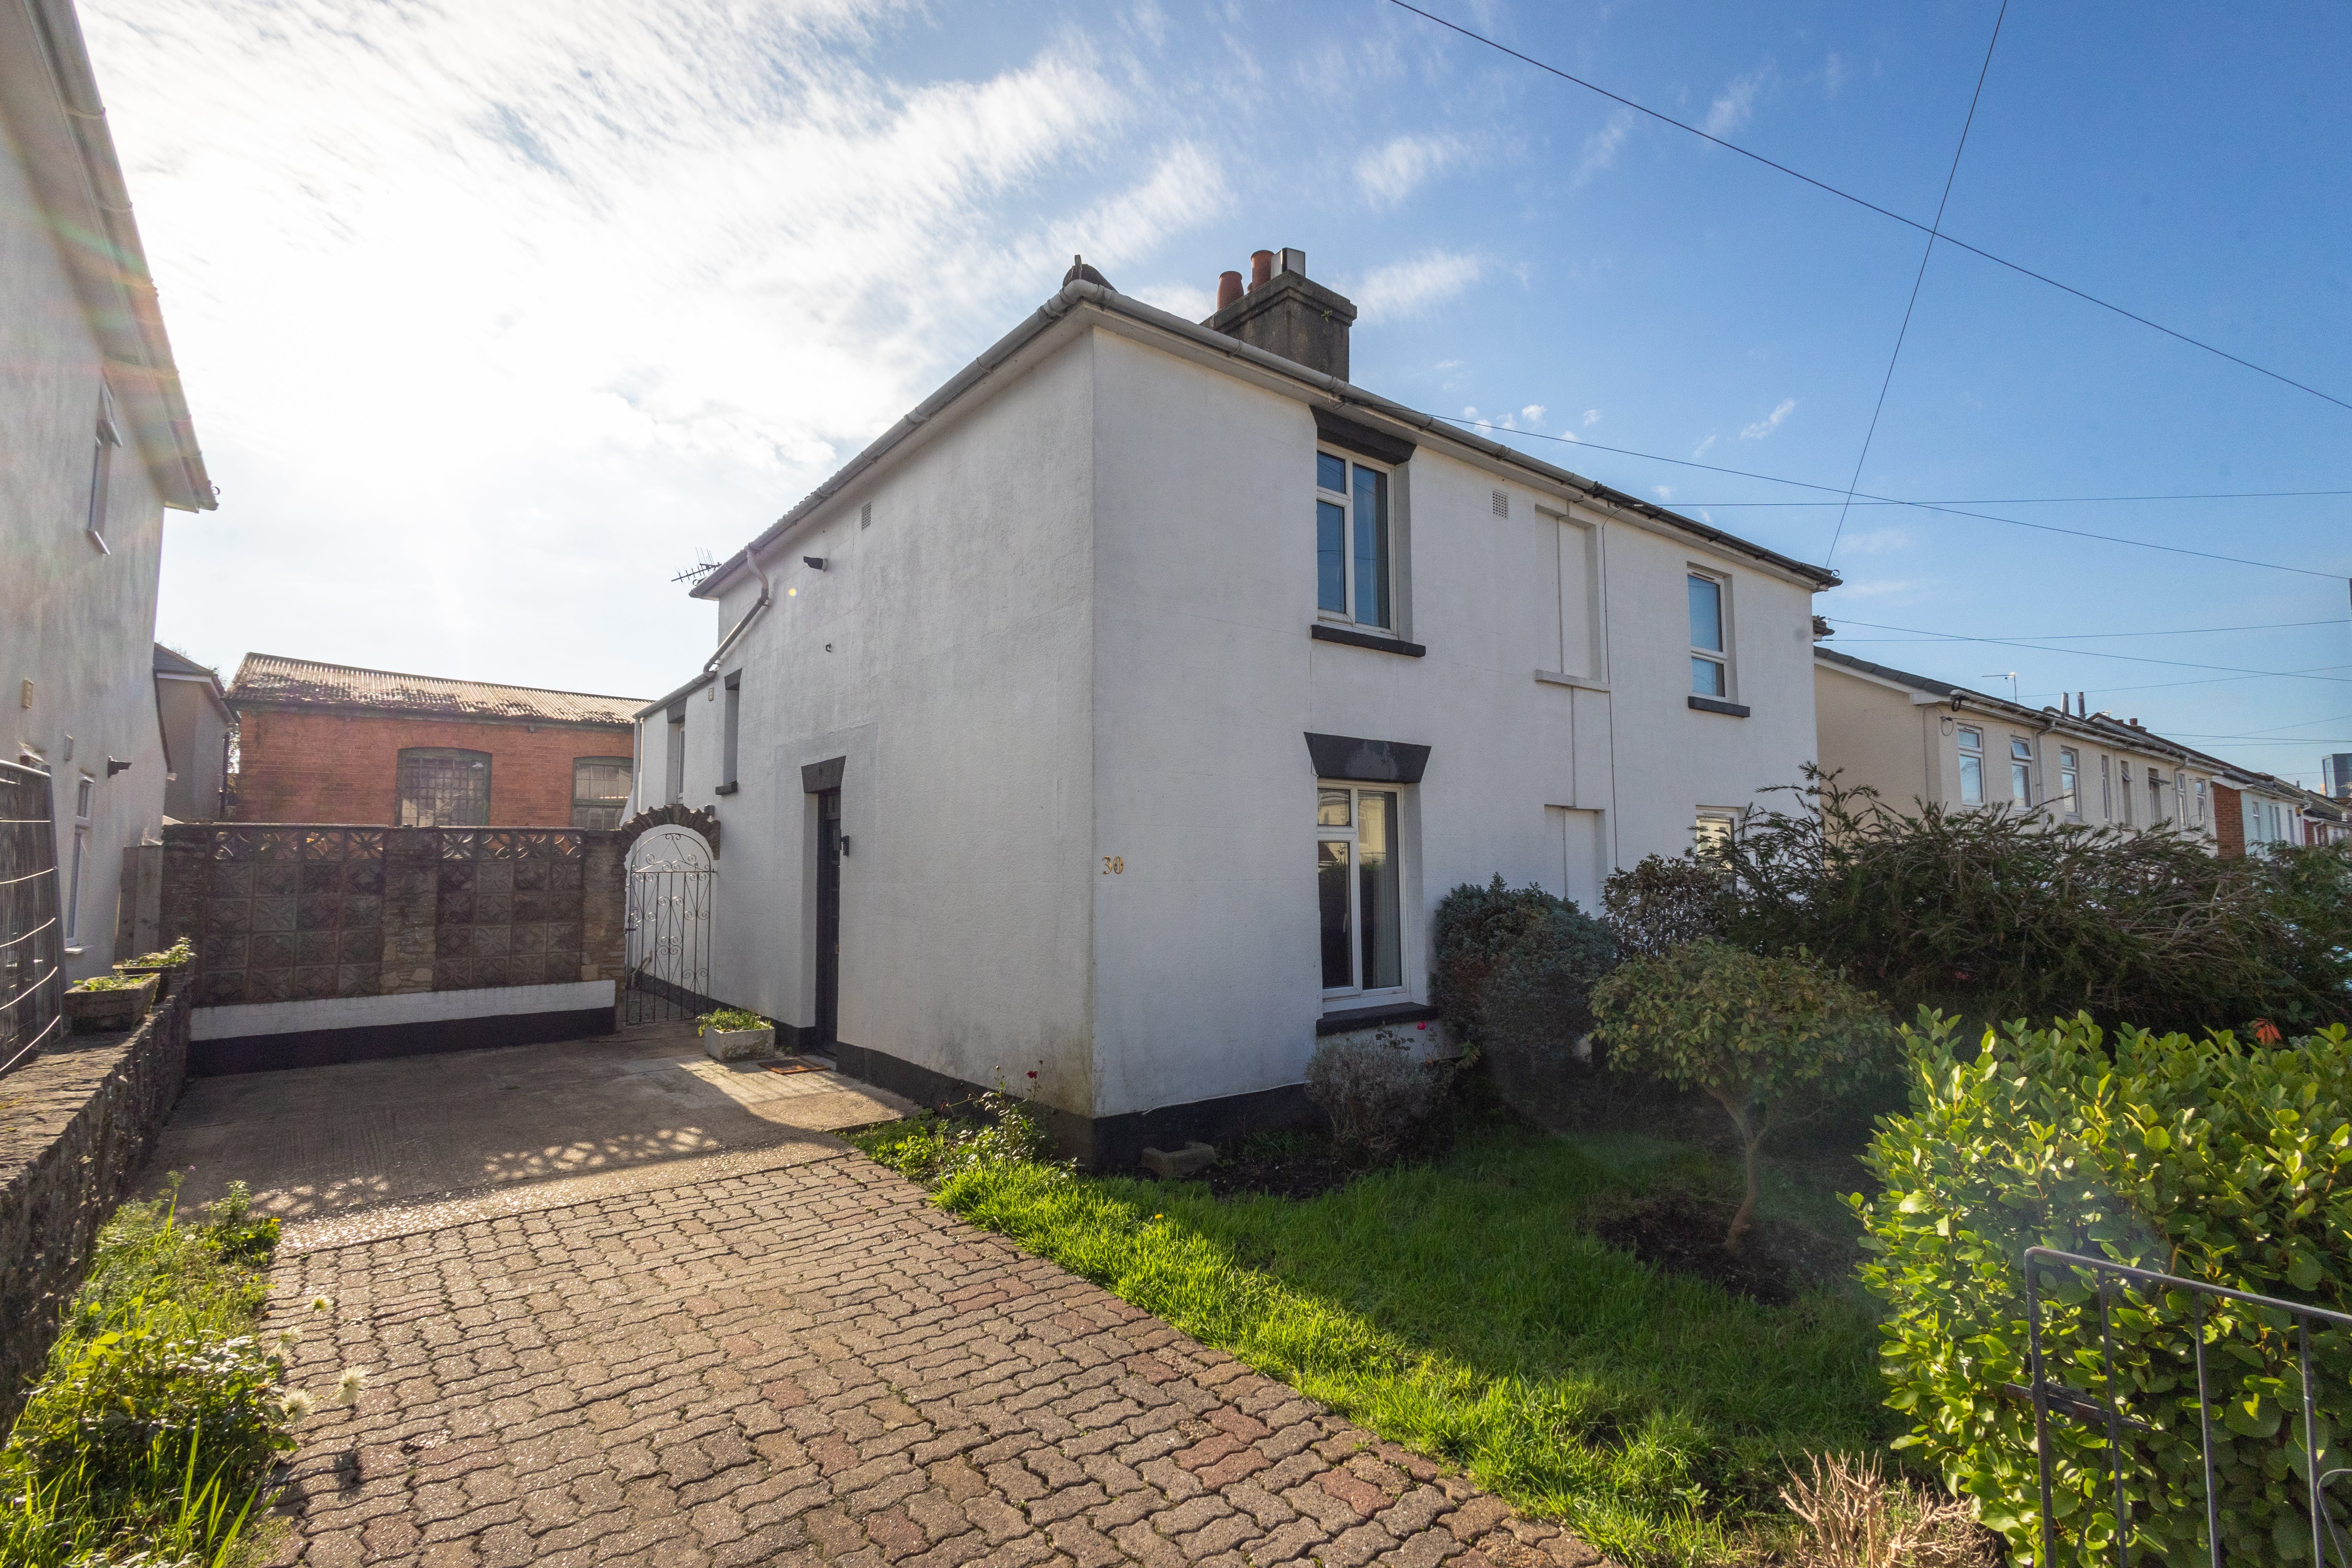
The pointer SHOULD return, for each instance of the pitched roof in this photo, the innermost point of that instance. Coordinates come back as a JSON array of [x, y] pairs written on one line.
[[1340, 397], [268, 680]]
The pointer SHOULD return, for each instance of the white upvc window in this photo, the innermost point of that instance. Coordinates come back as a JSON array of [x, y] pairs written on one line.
[[1359, 882], [1712, 831], [1971, 765], [2200, 803], [2180, 797], [2107, 792], [108, 437], [2124, 782], [2069, 774], [1710, 643], [2155, 797], [85, 792], [2021, 770], [1354, 580]]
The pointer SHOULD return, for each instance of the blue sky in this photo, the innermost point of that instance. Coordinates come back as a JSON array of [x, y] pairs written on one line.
[[493, 316]]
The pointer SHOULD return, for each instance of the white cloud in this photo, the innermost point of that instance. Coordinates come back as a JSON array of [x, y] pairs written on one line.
[[1834, 74], [1533, 413], [559, 289], [1663, 492], [1591, 417], [1766, 426], [1405, 288], [1391, 172], [1736, 104], [1183, 300], [1702, 448], [1600, 151]]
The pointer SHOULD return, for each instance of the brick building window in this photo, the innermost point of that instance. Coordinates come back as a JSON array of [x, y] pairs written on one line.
[[443, 787], [600, 791]]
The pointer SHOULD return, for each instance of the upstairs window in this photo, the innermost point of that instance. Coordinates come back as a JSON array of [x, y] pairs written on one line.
[[1351, 543], [2070, 773], [2200, 803], [2021, 770], [1971, 765], [1710, 655], [600, 791], [673, 759], [102, 463], [443, 787]]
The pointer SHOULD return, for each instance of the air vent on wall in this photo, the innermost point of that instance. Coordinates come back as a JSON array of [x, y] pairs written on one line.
[[865, 515], [1502, 503]]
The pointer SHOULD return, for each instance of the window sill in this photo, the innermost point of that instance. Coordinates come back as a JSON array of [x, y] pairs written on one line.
[[1356, 1018], [1322, 633], [1716, 705], [72, 952], [727, 788], [1582, 683]]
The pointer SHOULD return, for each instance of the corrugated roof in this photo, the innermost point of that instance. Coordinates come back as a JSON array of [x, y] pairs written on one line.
[[268, 680]]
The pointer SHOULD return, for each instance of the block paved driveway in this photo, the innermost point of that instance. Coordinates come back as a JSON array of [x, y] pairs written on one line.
[[793, 1358]]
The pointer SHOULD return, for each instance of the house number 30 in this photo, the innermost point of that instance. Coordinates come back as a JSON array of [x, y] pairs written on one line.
[[1114, 865]]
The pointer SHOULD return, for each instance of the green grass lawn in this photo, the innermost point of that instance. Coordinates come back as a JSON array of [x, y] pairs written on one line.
[[1456, 1307]]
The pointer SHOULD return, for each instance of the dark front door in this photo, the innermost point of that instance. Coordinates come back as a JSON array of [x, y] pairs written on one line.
[[828, 916]]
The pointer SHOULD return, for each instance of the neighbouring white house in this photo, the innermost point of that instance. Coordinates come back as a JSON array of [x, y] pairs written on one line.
[[99, 444], [1110, 728], [1919, 741]]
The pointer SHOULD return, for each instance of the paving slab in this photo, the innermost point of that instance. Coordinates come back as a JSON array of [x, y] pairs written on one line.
[[806, 1363], [328, 1140]]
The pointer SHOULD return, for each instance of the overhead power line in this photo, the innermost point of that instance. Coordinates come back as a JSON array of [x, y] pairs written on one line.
[[2168, 632], [2027, 501], [1926, 253], [1872, 206], [1924, 634], [1492, 429]]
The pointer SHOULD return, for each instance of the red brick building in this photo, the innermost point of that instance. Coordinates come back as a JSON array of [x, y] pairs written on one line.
[[328, 743]]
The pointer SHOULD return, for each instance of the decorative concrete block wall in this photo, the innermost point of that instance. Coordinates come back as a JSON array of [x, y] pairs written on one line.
[[301, 913], [76, 1126]]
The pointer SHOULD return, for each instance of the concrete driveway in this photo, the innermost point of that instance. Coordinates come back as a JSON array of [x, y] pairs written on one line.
[[322, 1141]]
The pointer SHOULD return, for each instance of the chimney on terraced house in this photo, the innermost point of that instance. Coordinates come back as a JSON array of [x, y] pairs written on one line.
[[1286, 313]]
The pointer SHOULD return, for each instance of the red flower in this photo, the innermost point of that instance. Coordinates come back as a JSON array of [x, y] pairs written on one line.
[[2266, 1032]]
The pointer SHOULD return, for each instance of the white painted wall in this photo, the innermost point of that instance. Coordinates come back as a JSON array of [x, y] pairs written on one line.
[[1206, 968], [75, 622], [1077, 629], [944, 651]]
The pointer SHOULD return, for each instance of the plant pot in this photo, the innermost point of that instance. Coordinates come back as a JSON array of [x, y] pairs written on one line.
[[739, 1044], [114, 1011], [173, 975]]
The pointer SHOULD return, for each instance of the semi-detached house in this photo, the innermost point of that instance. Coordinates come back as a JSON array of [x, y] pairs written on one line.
[[1110, 728]]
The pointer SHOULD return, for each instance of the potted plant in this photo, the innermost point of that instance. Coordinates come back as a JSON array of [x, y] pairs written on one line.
[[109, 1004], [171, 965], [733, 1034]]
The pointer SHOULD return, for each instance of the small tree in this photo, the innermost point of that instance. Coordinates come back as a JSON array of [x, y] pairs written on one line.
[[1747, 1032]]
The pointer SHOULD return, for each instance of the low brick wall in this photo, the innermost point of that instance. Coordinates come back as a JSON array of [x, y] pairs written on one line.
[[76, 1126]]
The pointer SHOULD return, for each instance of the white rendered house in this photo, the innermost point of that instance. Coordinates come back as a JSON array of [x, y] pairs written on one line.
[[1120, 716], [95, 442]]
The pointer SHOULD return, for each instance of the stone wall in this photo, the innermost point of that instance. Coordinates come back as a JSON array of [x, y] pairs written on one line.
[[297, 912], [76, 1125]]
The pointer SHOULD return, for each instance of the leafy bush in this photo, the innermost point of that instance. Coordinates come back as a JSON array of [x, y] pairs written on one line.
[[728, 1019], [1999, 915], [179, 952], [1659, 904], [1376, 1092], [1749, 1033], [159, 1415], [2197, 1157], [110, 982], [1477, 929]]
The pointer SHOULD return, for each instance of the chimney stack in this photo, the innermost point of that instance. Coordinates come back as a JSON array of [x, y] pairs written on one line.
[[1284, 312]]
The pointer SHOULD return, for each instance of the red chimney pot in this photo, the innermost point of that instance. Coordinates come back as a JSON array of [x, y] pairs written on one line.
[[1229, 288], [1261, 268]]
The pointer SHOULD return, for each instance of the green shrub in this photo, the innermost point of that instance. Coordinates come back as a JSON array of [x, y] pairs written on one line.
[[1378, 1094], [1659, 904], [1749, 1033], [159, 1414], [2001, 915], [2197, 1157], [997, 1130], [729, 1018], [1479, 931]]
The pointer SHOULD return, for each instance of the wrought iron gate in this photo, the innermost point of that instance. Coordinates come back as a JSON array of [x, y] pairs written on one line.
[[669, 926], [2264, 1340]]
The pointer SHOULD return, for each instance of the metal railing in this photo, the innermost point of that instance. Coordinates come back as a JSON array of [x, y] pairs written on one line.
[[31, 976], [2050, 1398]]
